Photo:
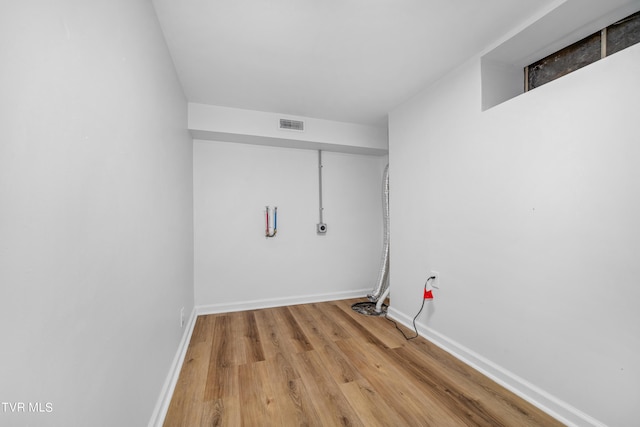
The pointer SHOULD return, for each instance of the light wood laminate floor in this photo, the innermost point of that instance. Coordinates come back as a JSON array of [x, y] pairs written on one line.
[[323, 364]]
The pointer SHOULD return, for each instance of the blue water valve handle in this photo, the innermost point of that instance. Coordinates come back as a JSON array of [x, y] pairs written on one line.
[[275, 218]]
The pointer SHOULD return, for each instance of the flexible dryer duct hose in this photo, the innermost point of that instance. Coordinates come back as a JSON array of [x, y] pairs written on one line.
[[382, 284]]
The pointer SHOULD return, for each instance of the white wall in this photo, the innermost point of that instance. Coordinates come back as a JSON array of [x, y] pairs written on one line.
[[529, 211], [237, 267], [95, 212]]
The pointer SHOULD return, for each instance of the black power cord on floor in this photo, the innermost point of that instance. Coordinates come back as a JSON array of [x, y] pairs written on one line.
[[386, 315]]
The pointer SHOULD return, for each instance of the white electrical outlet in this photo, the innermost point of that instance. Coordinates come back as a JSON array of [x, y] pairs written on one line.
[[435, 282], [182, 317]]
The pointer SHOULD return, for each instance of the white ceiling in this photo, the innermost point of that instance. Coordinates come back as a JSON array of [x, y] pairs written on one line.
[[345, 60]]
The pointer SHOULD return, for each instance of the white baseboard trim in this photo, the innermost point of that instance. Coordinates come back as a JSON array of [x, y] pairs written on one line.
[[162, 406], [550, 404], [278, 302]]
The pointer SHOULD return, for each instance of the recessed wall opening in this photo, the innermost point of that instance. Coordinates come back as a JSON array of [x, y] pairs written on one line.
[[603, 43], [553, 46]]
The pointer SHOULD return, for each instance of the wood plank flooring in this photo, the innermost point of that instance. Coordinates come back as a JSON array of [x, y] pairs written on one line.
[[325, 365]]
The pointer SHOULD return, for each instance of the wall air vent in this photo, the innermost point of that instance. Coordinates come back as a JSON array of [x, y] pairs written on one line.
[[287, 124]]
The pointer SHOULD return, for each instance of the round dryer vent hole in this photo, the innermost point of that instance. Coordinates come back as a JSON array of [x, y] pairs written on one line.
[[369, 308]]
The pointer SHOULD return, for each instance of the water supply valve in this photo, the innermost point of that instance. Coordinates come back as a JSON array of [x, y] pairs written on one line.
[[321, 228], [271, 222]]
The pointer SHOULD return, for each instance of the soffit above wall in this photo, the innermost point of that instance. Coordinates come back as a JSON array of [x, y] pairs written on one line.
[[216, 123]]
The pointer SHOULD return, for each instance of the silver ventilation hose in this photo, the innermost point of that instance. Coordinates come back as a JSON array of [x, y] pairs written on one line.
[[382, 284]]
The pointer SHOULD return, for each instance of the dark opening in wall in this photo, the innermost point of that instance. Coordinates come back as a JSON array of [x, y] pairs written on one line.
[[608, 41], [565, 61], [623, 34]]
